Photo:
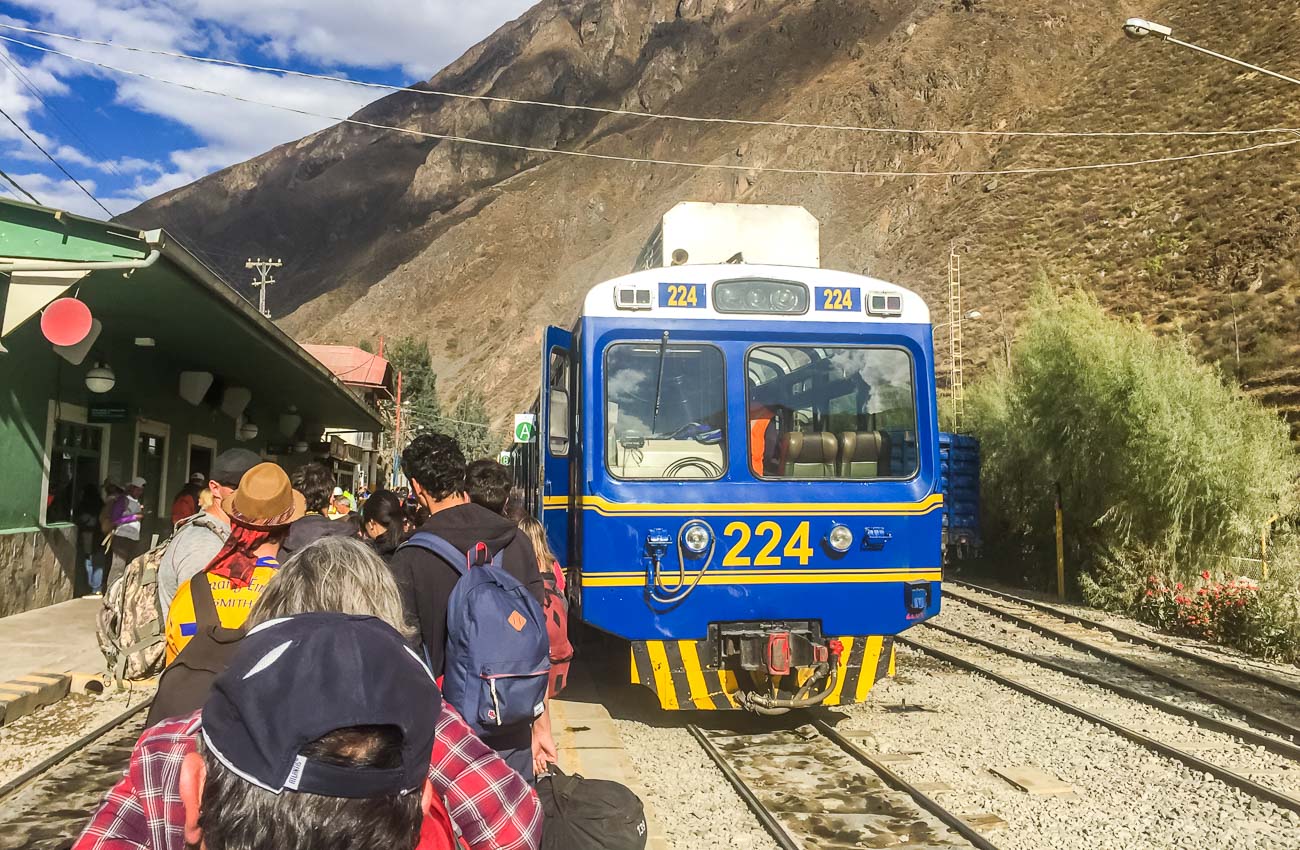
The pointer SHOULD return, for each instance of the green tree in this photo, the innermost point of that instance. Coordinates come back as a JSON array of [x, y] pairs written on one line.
[[1161, 463], [420, 410], [468, 423]]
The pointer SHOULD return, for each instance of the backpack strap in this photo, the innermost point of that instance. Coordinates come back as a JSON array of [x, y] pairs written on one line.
[[205, 607], [443, 548]]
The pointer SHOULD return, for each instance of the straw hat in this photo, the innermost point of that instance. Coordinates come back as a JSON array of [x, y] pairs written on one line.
[[265, 499]]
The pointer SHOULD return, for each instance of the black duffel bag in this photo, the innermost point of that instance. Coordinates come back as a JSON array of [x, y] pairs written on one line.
[[589, 814]]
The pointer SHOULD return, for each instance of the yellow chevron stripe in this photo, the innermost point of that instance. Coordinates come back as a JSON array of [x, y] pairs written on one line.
[[867, 676], [694, 673], [594, 580], [842, 671], [662, 674], [636, 674], [605, 507]]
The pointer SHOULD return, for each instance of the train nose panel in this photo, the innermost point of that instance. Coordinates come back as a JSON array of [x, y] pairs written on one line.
[[684, 674]]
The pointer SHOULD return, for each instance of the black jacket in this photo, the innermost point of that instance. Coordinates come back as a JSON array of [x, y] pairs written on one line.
[[313, 527], [426, 581]]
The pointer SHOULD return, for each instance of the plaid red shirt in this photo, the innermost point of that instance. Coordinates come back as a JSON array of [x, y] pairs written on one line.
[[491, 804]]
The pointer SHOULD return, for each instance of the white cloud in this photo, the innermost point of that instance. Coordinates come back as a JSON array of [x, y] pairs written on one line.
[[416, 36]]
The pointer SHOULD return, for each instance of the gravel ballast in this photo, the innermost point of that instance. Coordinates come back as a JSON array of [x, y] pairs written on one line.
[[963, 726]]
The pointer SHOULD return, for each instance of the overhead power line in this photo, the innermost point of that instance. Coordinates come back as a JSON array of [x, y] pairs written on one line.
[[713, 166], [14, 183], [57, 164], [751, 122]]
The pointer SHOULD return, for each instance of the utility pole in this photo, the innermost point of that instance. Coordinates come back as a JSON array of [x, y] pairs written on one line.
[[954, 337], [263, 268]]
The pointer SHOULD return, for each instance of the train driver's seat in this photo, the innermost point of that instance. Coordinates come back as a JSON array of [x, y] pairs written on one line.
[[864, 454], [810, 455]]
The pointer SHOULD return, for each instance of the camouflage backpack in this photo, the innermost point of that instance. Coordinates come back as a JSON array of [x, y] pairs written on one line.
[[130, 625]]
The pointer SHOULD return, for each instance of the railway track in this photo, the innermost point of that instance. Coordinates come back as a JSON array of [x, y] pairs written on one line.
[[1227, 751], [814, 789], [1266, 701], [48, 805]]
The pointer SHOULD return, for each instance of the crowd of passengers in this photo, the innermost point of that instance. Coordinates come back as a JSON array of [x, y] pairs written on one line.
[[322, 722]]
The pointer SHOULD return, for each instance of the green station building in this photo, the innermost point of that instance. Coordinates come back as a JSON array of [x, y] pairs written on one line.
[[176, 368]]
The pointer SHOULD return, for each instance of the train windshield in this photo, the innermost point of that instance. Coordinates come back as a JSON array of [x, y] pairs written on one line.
[[844, 413], [665, 410]]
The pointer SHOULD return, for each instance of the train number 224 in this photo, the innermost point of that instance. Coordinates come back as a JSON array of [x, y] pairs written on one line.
[[768, 536]]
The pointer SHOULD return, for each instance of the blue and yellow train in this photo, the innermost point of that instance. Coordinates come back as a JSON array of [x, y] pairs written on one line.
[[740, 460]]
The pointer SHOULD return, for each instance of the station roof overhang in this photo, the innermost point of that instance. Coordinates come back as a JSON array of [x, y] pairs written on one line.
[[144, 284]]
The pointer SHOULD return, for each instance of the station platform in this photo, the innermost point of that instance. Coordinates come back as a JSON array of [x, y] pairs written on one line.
[[588, 743], [57, 638]]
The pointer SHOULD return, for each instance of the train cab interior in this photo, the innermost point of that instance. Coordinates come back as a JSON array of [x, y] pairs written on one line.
[[844, 413]]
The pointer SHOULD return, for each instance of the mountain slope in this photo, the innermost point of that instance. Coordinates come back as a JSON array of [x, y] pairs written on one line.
[[476, 248]]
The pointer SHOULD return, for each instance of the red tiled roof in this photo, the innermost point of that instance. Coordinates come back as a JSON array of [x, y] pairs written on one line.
[[353, 366]]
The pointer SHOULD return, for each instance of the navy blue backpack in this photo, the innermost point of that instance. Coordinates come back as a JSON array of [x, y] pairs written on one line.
[[498, 654]]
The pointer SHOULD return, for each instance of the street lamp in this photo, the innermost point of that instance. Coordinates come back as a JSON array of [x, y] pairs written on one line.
[[1141, 28]]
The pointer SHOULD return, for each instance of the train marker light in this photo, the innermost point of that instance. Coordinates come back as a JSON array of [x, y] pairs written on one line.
[[696, 537], [840, 538], [884, 304], [633, 298]]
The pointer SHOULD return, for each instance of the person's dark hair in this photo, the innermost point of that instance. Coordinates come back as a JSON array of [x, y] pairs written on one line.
[[316, 483], [488, 484], [437, 463], [238, 815], [385, 507]]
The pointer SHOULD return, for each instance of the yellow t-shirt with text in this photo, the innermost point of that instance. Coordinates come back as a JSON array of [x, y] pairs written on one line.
[[233, 604]]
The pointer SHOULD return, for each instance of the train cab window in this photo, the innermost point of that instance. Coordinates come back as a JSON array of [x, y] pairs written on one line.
[[665, 411], [842, 413], [557, 401]]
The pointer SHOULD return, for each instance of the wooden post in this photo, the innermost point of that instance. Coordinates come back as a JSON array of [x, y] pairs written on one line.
[[1060, 546], [1263, 545]]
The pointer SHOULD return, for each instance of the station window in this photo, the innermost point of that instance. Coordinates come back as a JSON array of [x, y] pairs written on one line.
[[843, 413], [665, 411]]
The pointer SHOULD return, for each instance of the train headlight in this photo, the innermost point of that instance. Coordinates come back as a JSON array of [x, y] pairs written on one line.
[[696, 538], [840, 538], [757, 295]]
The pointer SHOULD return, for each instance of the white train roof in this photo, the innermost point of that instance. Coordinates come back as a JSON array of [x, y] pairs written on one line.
[[601, 299]]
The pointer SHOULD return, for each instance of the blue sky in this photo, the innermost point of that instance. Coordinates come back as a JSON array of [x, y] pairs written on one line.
[[128, 139]]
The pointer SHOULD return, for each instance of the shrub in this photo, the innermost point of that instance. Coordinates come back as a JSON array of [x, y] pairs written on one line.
[[1157, 458]]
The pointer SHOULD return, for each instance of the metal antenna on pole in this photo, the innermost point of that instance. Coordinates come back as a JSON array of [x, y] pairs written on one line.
[[263, 268]]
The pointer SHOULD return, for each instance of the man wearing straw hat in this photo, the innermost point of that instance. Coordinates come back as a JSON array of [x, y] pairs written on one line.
[[260, 512]]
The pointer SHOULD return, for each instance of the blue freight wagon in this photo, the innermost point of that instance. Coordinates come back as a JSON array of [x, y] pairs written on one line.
[[959, 481]]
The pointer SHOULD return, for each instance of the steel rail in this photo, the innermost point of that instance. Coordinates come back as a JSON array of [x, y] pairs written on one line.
[[770, 823], [1224, 775], [898, 783], [1273, 745], [52, 761], [1259, 718], [1132, 637]]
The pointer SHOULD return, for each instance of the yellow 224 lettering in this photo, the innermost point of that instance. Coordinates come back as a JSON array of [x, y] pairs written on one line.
[[838, 299], [770, 534], [681, 295]]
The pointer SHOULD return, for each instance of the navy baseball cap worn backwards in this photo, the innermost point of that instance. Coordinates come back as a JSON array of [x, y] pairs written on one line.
[[297, 679]]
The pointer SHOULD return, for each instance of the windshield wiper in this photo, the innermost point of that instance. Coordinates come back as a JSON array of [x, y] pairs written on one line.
[[659, 382]]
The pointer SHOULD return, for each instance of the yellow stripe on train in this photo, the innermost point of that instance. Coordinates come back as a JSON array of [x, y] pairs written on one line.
[[727, 577], [605, 507], [681, 679]]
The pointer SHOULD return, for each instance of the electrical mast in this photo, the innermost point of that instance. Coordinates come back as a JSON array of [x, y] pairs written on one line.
[[954, 337], [263, 268]]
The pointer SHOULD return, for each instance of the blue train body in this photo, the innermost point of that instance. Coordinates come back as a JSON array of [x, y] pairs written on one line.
[[741, 464]]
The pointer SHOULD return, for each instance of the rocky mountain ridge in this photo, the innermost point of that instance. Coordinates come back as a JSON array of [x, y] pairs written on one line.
[[476, 248]]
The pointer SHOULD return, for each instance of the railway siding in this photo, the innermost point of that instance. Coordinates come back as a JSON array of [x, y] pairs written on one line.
[[1271, 704]]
